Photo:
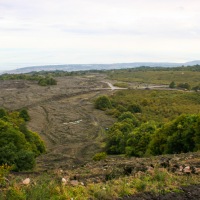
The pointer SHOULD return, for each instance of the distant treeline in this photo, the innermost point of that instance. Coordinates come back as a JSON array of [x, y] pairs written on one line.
[[147, 68], [45, 78]]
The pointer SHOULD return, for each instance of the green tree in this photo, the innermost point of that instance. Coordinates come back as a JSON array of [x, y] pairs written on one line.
[[25, 160], [18, 145], [172, 85], [24, 114], [180, 135], [184, 86], [103, 103], [128, 115], [2, 113], [134, 108], [139, 139]]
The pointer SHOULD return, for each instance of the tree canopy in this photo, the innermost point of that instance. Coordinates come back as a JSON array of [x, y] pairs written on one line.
[[18, 146]]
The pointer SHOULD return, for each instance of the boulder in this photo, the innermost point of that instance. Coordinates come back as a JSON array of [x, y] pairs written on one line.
[[187, 170], [64, 181], [26, 181], [74, 182]]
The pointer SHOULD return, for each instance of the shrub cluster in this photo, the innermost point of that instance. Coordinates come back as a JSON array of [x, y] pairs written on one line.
[[133, 137], [18, 146], [47, 81], [178, 136]]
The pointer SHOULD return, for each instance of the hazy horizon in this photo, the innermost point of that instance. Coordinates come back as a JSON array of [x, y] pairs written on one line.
[[53, 32]]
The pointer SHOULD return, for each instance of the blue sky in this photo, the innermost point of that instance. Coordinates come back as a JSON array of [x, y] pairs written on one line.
[[39, 32]]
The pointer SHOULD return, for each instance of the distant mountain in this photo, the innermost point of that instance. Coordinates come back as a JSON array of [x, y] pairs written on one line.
[[192, 63], [79, 67]]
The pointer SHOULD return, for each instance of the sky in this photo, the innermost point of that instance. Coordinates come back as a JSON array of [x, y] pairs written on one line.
[[42, 32]]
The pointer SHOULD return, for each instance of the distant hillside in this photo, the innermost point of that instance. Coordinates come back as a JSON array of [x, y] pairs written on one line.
[[192, 63], [79, 67]]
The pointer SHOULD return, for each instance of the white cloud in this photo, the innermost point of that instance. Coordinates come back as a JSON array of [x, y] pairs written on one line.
[[92, 31]]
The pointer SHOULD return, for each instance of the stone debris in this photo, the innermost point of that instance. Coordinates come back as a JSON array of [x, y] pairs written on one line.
[[187, 170], [64, 181], [74, 182], [82, 184], [197, 170], [74, 123], [26, 181]]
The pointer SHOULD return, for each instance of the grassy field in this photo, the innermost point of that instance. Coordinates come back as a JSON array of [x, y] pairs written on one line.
[[156, 77], [160, 106]]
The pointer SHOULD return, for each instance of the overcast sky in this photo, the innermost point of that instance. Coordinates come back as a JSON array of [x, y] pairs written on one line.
[[39, 32]]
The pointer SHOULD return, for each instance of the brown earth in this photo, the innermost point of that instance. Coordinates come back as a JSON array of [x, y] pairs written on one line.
[[63, 115]]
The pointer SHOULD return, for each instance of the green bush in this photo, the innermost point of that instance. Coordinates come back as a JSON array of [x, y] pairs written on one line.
[[180, 135], [172, 85], [138, 141], [2, 113], [120, 84], [103, 103], [25, 160], [47, 81], [130, 116], [18, 145], [24, 114], [99, 156], [184, 86], [134, 108]]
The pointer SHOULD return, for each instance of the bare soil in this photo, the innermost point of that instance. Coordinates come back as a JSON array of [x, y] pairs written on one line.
[[63, 115]]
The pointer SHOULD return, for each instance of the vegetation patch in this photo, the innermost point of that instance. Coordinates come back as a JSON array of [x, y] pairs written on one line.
[[137, 134], [158, 75], [18, 146], [121, 84], [49, 186]]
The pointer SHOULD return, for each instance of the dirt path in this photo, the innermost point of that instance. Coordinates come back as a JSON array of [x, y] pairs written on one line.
[[112, 87]]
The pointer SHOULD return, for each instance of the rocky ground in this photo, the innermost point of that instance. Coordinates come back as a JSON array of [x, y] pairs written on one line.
[[186, 193], [115, 167]]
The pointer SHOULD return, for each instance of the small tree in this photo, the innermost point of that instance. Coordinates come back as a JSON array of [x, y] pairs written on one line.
[[2, 113], [128, 115], [172, 85], [103, 103], [24, 114], [134, 108], [184, 86]]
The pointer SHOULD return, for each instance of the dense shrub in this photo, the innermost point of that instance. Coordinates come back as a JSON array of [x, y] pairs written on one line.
[[102, 103], [47, 81], [134, 108], [138, 141], [184, 86], [18, 145], [2, 113], [196, 88], [180, 135], [172, 85], [99, 156], [130, 116], [24, 114]]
